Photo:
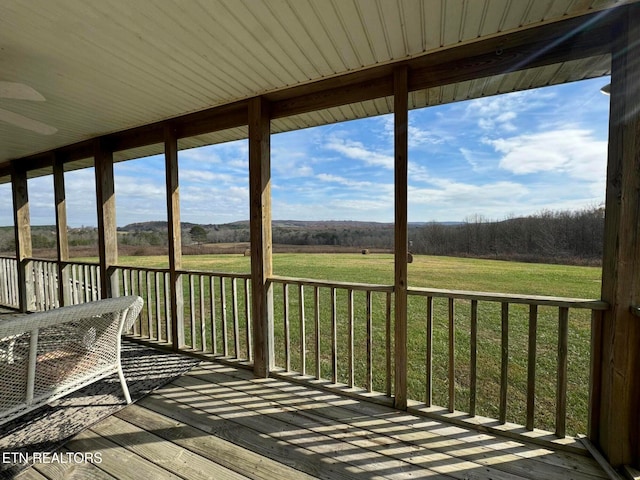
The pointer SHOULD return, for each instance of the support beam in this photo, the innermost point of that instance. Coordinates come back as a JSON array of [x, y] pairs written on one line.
[[22, 225], [107, 230], [401, 245], [64, 290], [617, 421], [175, 237], [261, 248]]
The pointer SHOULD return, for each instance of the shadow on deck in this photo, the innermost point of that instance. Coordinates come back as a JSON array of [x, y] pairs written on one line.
[[219, 422]]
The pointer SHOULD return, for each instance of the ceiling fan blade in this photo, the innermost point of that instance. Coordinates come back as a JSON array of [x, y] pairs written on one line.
[[26, 123], [19, 91]]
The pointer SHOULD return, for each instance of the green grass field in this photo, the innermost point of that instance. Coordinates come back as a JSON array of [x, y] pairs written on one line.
[[445, 273]]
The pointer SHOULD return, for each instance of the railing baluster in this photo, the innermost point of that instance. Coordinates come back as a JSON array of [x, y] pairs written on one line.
[[92, 284], [531, 365], [192, 310], [46, 281], [452, 357], [223, 317], [247, 316], [316, 318], [212, 306], [141, 293], [167, 306], [236, 323], [334, 337], [473, 367], [429, 360], [125, 281], [38, 285], [563, 347], [303, 342], [369, 319], [504, 370], [388, 344], [158, 284], [203, 322], [149, 303], [350, 339], [135, 291], [74, 285], [285, 313]]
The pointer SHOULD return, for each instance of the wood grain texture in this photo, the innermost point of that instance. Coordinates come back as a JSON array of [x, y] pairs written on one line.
[[222, 422], [174, 236], [22, 224], [401, 243], [260, 225], [107, 226], [618, 395]]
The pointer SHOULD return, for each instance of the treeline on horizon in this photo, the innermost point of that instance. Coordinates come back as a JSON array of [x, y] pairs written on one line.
[[571, 237]]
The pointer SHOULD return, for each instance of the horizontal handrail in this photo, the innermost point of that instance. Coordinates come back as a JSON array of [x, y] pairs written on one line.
[[541, 300], [79, 263], [327, 283], [209, 273]]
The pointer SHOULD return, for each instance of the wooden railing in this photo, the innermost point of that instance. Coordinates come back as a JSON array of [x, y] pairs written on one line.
[[45, 278], [348, 338], [213, 309], [481, 356], [514, 327], [9, 282], [82, 282], [152, 285], [216, 312]]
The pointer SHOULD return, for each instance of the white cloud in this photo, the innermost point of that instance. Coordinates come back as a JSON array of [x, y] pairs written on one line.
[[499, 112], [327, 177], [417, 136], [357, 151], [470, 157], [572, 151], [204, 176], [208, 204], [445, 191], [418, 173], [199, 155]]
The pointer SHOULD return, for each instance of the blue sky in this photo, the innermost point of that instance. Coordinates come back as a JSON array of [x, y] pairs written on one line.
[[501, 156]]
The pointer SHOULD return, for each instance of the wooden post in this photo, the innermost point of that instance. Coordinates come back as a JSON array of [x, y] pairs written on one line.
[[617, 420], [22, 225], [401, 245], [175, 237], [64, 288], [261, 248], [107, 230]]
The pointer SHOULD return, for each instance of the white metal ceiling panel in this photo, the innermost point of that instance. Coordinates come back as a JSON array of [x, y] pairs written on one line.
[[115, 64]]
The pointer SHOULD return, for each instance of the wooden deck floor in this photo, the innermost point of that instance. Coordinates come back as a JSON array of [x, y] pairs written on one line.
[[219, 422]]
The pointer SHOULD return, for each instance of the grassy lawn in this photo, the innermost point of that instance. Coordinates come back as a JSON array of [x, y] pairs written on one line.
[[435, 272]]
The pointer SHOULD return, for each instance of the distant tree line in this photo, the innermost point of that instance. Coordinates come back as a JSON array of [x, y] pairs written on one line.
[[561, 236], [549, 236]]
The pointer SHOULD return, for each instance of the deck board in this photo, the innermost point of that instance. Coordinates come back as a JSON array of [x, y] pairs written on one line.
[[221, 422]]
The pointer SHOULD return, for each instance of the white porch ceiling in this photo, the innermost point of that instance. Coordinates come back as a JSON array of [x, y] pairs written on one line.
[[115, 64]]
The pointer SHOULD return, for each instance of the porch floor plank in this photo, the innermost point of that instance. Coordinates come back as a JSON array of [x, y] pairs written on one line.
[[55, 470], [218, 421], [165, 454]]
